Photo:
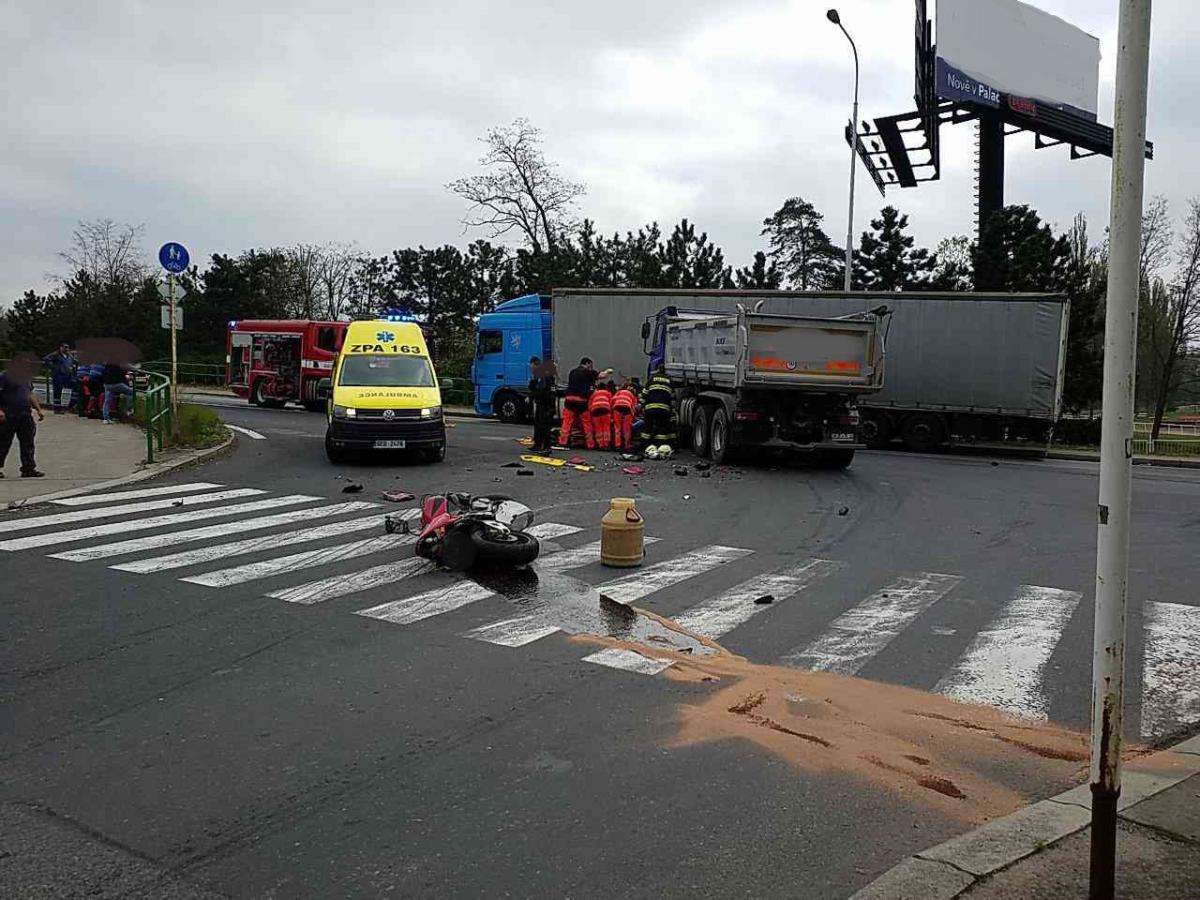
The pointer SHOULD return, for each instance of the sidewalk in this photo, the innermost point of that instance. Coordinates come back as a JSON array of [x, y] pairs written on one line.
[[1042, 851], [1177, 462], [112, 451]]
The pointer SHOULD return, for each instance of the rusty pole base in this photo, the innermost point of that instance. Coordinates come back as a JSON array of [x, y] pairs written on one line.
[[1102, 880]]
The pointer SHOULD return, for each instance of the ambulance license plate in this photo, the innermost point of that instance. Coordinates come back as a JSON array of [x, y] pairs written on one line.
[[389, 445], [843, 437]]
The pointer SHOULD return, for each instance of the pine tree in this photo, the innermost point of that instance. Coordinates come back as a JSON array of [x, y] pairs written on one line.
[[690, 261], [761, 275], [807, 259], [1017, 252], [887, 259]]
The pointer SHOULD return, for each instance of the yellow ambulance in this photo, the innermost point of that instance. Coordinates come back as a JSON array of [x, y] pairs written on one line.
[[383, 393]]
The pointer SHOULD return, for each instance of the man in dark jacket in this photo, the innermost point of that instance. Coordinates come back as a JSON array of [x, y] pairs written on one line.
[[541, 392], [580, 382], [116, 386], [17, 407], [61, 364]]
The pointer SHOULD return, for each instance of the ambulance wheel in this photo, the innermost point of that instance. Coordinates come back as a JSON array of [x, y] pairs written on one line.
[[436, 454], [314, 405], [336, 455]]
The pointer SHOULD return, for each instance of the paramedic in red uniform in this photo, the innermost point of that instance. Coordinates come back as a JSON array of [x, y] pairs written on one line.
[[580, 382], [624, 404], [599, 408]]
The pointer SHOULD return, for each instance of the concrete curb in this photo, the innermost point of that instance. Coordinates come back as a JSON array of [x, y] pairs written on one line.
[[150, 471], [1171, 462], [947, 870]]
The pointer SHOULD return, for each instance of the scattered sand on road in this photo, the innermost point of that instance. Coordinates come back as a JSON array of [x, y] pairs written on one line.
[[925, 747]]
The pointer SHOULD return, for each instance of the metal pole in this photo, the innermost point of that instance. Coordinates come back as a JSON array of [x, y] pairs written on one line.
[[174, 393], [853, 154], [1116, 438]]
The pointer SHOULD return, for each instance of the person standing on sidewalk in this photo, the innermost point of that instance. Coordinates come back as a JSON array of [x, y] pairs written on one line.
[[18, 404], [115, 387], [62, 372]]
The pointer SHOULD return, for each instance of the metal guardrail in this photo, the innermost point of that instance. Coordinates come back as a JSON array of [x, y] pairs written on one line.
[[190, 373], [1167, 428], [1166, 446], [156, 411]]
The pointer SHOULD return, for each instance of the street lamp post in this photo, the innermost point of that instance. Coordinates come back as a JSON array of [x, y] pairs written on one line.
[[833, 17]]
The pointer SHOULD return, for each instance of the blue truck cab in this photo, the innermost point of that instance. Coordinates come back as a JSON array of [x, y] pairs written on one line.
[[504, 340]]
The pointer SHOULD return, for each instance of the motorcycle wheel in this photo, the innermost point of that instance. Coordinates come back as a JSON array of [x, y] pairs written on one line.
[[516, 549], [459, 551]]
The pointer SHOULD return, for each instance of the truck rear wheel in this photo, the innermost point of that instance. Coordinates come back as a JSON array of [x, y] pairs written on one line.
[[701, 423], [923, 432], [258, 394], [509, 407], [718, 436], [876, 431]]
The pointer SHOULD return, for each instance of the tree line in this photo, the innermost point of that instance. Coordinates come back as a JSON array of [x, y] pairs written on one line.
[[521, 198]]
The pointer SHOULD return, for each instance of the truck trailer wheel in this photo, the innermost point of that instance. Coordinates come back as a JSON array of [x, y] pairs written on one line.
[[509, 407], [923, 432], [718, 436], [876, 431], [701, 422]]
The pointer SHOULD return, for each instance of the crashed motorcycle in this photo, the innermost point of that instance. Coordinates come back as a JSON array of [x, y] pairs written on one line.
[[459, 531]]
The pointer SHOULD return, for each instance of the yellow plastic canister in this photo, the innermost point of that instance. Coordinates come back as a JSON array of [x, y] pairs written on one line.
[[622, 533]]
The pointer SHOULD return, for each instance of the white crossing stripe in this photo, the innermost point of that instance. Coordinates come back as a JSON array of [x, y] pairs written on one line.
[[1170, 667], [1005, 664], [121, 496], [548, 531], [353, 582], [629, 660], [166, 521], [632, 588], [719, 615], [248, 432], [171, 538], [515, 632], [307, 559], [458, 593], [858, 634], [108, 512]]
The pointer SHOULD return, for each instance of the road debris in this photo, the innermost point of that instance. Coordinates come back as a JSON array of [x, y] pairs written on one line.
[[528, 472], [706, 474], [577, 460], [764, 600], [687, 496], [558, 463], [513, 465], [702, 466], [633, 470], [526, 441], [681, 470], [397, 496], [843, 510], [355, 488]]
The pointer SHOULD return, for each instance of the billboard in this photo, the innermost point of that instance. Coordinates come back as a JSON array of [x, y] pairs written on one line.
[[989, 48]]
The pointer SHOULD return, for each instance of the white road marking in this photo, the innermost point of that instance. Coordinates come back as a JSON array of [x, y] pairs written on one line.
[[547, 531], [1170, 667], [458, 593], [719, 615], [575, 558], [322, 556], [651, 579], [248, 432], [108, 512], [121, 496], [629, 660], [1005, 664], [166, 521], [859, 633], [353, 582], [515, 632], [218, 551]]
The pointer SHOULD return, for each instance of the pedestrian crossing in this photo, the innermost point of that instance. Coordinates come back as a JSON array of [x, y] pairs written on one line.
[[307, 550]]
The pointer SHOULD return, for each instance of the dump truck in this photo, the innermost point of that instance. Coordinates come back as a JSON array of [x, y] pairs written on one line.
[[975, 369], [770, 381]]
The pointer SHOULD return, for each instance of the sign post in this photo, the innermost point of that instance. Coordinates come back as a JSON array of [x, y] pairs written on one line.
[[174, 258], [1116, 438]]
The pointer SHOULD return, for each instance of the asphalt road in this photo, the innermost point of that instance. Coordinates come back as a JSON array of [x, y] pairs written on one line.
[[228, 720]]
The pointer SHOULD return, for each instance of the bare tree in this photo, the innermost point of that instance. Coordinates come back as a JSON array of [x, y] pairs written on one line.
[[304, 271], [1157, 239], [1179, 304], [335, 278], [519, 189], [107, 251]]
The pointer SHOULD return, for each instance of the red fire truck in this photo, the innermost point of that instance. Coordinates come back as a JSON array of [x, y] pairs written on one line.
[[272, 361]]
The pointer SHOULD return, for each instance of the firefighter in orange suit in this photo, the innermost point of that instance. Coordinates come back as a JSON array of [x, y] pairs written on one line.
[[600, 409]]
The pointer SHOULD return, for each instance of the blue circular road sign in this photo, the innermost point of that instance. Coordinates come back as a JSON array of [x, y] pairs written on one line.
[[173, 257]]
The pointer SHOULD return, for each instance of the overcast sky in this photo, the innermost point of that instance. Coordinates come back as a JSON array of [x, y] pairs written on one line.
[[229, 125]]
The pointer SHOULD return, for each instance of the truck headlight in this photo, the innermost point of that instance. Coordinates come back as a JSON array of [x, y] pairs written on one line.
[[431, 412], [344, 412]]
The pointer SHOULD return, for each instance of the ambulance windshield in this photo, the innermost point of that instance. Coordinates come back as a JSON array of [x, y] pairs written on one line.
[[385, 370]]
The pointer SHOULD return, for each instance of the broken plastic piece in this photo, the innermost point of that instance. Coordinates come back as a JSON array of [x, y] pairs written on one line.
[[681, 470], [634, 470], [352, 489], [512, 465], [702, 466], [528, 472], [843, 510], [397, 496], [764, 600]]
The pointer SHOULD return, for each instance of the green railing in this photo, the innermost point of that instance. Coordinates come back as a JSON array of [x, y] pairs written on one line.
[[156, 411], [456, 392], [205, 374]]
